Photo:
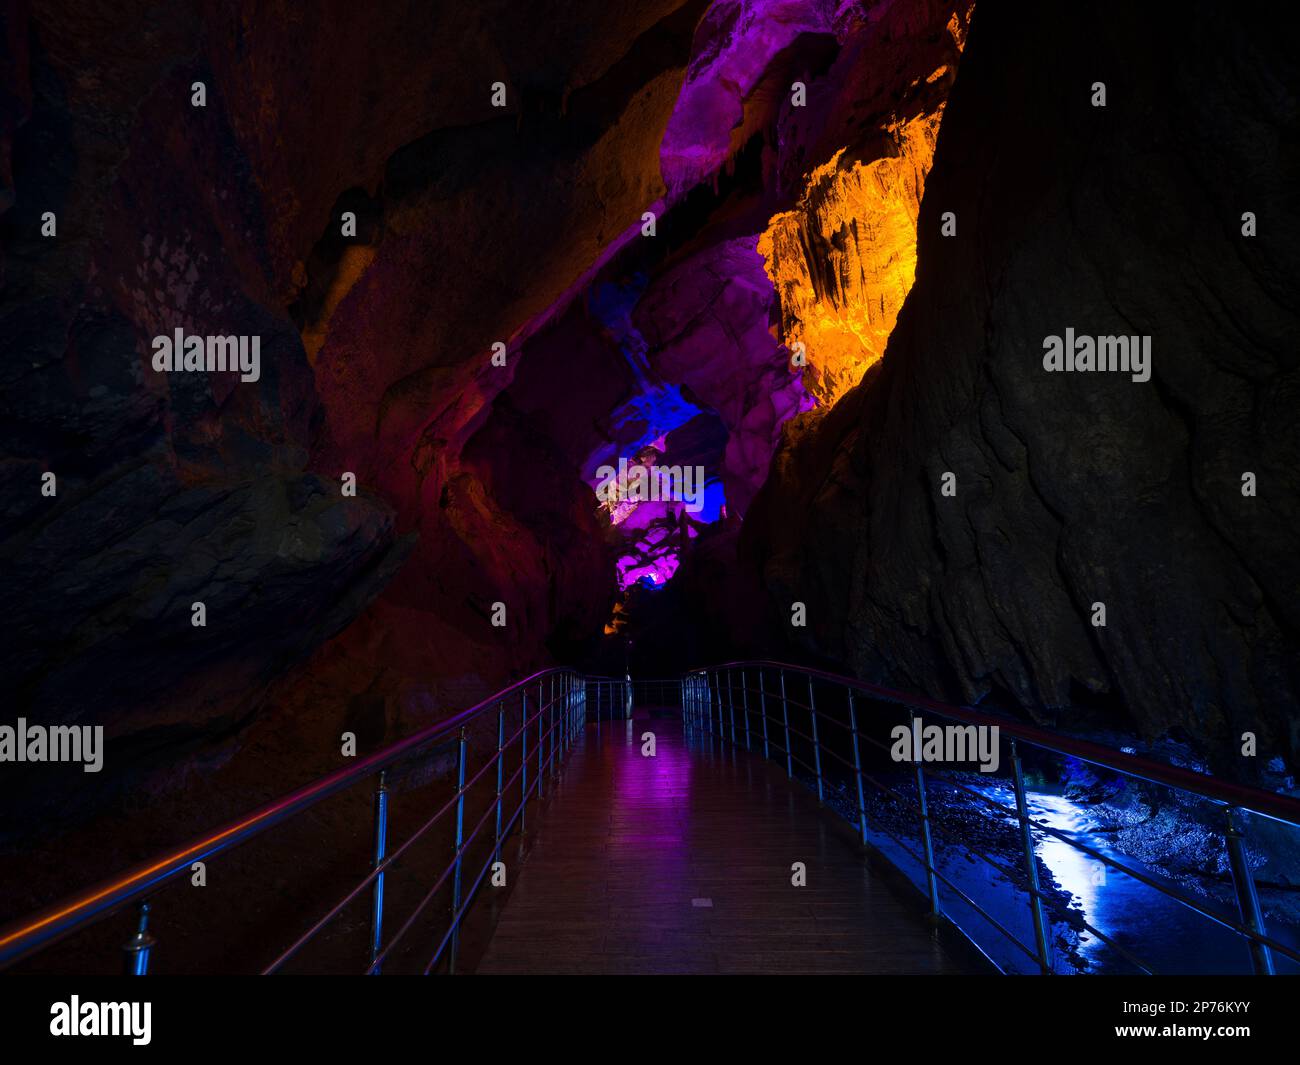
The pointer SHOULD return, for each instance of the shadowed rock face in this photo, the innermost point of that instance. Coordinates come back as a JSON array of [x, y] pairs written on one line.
[[1077, 488]]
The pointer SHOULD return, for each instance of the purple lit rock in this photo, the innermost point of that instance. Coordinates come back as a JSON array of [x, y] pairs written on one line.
[[734, 47], [706, 324]]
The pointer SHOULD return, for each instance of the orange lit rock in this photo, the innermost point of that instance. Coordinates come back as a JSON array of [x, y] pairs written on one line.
[[843, 260]]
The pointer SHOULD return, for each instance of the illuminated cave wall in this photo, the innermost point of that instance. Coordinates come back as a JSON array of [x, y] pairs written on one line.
[[523, 226], [844, 259], [828, 258]]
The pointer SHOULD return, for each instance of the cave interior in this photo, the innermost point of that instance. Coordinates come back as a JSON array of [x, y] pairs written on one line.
[[801, 255]]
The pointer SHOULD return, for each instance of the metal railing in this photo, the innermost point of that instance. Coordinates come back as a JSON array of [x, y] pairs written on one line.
[[756, 705], [609, 698], [613, 698], [753, 704], [536, 722]]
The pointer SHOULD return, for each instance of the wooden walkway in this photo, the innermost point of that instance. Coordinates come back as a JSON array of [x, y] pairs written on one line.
[[681, 863]]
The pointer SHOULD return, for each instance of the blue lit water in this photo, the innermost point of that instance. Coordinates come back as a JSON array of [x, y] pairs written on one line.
[[1166, 935]]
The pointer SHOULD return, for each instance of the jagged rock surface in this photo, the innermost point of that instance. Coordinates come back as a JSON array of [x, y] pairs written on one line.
[[225, 220], [1078, 488]]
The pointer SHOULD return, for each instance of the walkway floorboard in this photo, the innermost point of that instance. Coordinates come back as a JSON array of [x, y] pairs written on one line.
[[681, 863]]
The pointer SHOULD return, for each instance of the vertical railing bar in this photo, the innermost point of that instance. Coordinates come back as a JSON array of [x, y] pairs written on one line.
[[744, 702], [817, 746], [857, 766], [762, 709], [1243, 881], [377, 889], [501, 772], [460, 840], [785, 716], [722, 720], [927, 837], [523, 760], [140, 946], [731, 708], [1031, 865]]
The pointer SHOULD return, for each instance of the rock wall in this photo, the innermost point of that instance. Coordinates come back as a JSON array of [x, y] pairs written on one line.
[[1078, 488], [226, 219]]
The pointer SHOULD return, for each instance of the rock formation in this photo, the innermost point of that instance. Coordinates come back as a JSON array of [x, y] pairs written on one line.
[[1074, 489]]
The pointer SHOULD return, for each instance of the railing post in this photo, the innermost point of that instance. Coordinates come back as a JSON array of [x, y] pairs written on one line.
[[551, 716], [785, 717], [501, 773], [744, 703], [1261, 958], [139, 946], [817, 745], [927, 838], [460, 842], [731, 708], [541, 739], [762, 709], [523, 760], [857, 767], [377, 890], [571, 707], [1031, 865]]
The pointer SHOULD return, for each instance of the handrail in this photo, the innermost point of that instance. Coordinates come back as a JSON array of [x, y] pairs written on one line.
[[1278, 807], [704, 693], [558, 723], [27, 936]]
